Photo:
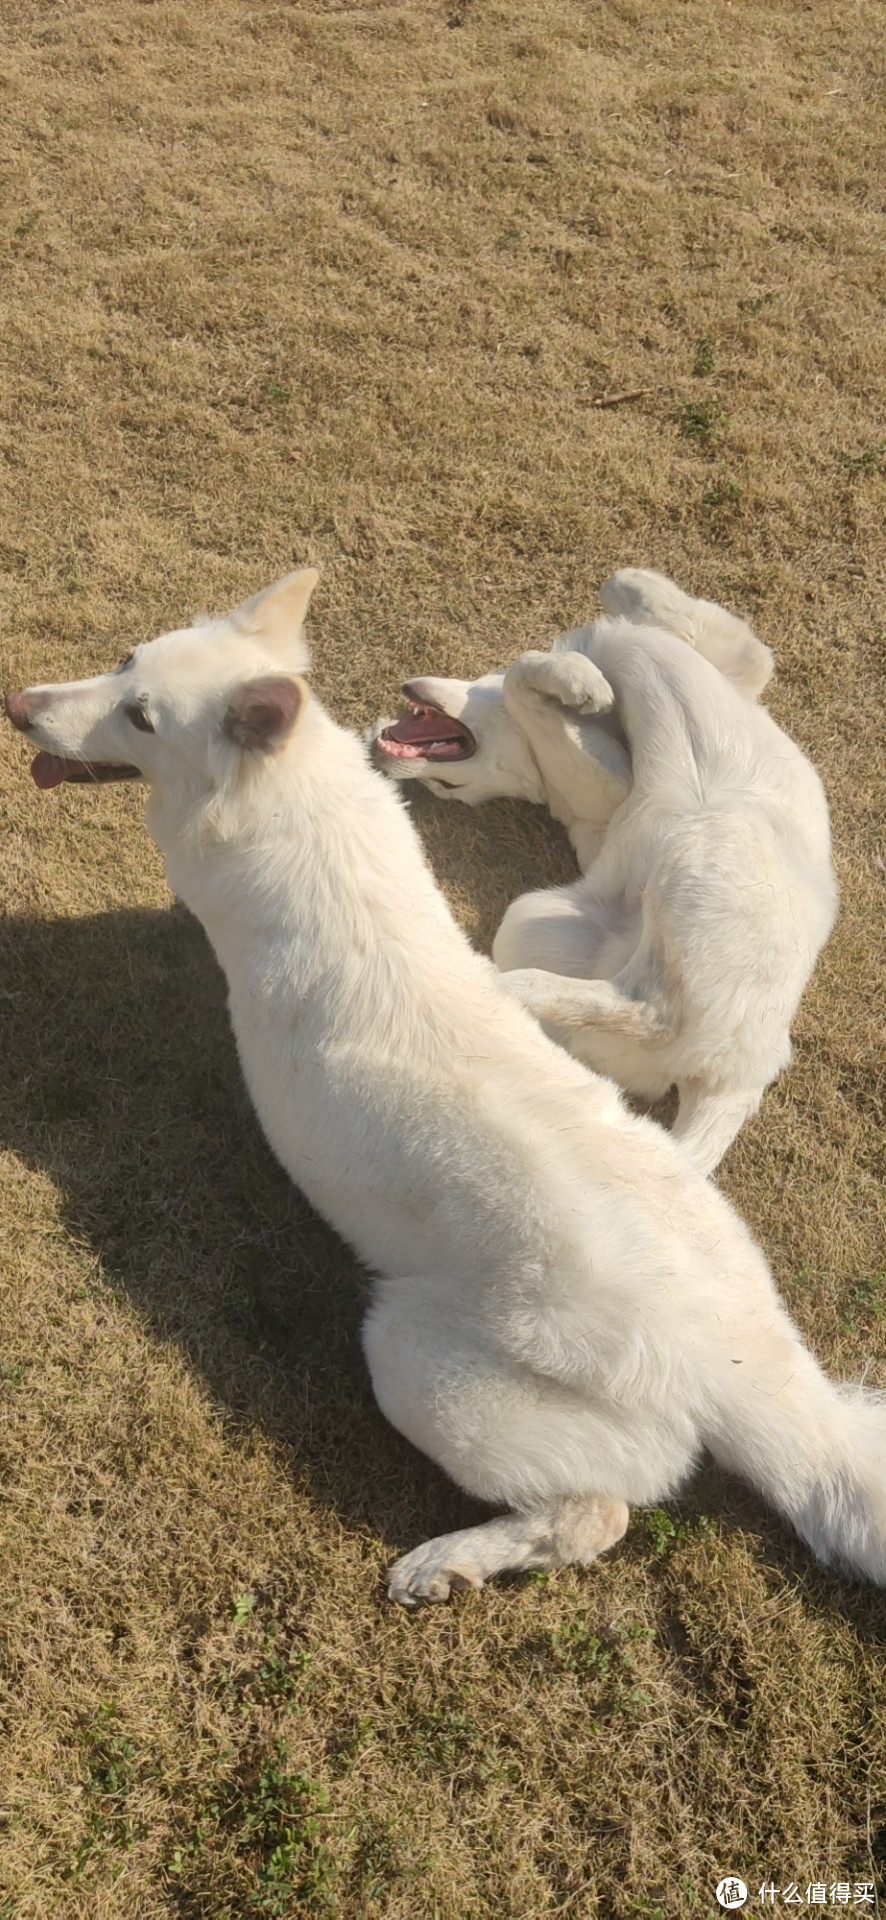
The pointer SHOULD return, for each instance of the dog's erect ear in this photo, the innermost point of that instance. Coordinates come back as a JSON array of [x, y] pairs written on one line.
[[263, 712], [277, 613]]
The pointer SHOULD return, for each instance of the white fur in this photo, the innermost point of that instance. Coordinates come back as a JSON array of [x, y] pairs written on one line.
[[707, 890], [565, 1312]]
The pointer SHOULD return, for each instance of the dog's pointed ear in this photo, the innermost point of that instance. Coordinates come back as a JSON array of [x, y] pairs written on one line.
[[276, 614], [262, 713]]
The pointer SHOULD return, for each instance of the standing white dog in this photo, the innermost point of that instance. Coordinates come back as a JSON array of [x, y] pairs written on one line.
[[565, 1312], [681, 954]]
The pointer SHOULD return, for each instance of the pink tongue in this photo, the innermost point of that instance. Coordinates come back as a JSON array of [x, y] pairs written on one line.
[[416, 728], [48, 771]]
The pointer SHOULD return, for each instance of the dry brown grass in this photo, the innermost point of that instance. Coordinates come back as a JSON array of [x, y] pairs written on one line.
[[343, 284]]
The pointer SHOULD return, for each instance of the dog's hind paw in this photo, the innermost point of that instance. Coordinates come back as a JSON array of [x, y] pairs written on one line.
[[425, 1575], [547, 1536]]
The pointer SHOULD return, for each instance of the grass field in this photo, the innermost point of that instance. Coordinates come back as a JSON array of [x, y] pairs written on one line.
[[346, 284]]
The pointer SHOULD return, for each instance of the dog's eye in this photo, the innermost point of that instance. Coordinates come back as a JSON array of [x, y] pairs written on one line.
[[124, 663], [451, 786], [139, 718]]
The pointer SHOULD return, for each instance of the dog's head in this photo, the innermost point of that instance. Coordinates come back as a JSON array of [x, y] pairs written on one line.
[[178, 710], [458, 739]]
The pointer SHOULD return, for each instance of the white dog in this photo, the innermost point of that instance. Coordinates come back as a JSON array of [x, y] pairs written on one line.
[[565, 1312], [681, 953]]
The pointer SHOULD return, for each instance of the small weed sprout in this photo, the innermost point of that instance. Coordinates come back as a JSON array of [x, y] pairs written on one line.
[[264, 1826], [242, 1609], [721, 494], [871, 460], [111, 1768], [704, 421]]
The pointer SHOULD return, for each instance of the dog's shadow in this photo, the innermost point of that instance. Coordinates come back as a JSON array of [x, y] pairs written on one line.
[[484, 856], [120, 1080]]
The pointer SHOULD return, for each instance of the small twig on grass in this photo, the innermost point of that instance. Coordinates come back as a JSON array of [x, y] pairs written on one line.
[[616, 399]]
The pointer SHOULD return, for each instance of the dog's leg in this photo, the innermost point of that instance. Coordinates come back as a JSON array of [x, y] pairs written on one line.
[[572, 1004], [553, 1535], [570, 678], [567, 930], [720, 637], [585, 769], [707, 1122], [514, 1438]]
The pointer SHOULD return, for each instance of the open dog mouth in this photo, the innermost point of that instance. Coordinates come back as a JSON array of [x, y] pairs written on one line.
[[426, 733], [48, 770]]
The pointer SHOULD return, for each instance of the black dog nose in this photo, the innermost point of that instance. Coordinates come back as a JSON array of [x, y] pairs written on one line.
[[18, 710]]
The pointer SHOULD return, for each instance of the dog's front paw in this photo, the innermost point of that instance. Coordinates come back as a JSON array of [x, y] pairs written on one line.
[[427, 1573], [567, 677]]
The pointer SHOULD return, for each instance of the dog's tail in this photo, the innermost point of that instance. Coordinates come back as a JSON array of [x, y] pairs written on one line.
[[816, 1451], [649, 599]]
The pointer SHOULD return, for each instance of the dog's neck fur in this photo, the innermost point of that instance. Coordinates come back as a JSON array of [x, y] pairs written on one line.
[[310, 901]]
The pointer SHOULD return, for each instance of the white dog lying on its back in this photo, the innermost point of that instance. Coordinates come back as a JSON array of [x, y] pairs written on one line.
[[681, 953], [565, 1312]]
